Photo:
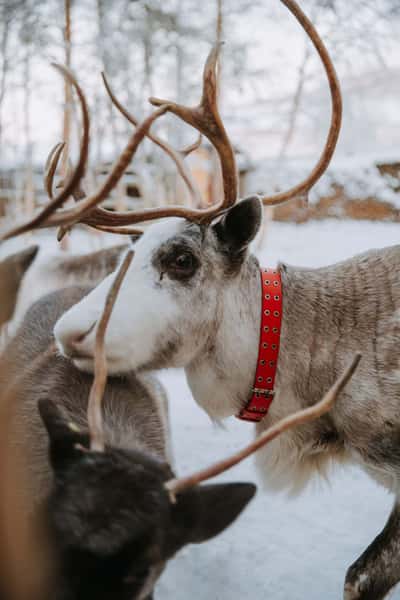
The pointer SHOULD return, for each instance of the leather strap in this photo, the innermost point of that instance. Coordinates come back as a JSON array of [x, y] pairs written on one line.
[[268, 350]]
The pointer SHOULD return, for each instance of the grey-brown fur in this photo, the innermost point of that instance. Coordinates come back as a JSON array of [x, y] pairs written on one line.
[[135, 409]]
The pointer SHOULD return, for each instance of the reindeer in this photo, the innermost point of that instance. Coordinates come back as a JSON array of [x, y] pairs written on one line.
[[111, 524], [192, 297]]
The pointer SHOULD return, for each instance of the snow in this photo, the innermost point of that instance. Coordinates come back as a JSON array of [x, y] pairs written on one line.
[[359, 178], [279, 548]]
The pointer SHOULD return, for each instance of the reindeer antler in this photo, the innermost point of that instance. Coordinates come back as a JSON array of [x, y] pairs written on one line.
[[77, 173], [94, 412], [206, 119], [49, 216], [302, 189], [78, 194], [175, 486]]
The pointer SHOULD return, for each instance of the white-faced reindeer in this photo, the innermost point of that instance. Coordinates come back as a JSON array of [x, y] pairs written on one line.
[[192, 299]]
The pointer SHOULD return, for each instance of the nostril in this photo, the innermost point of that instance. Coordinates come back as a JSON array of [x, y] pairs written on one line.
[[71, 341], [80, 338]]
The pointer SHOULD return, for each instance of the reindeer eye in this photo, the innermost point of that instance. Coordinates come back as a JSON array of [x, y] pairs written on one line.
[[177, 261], [182, 265], [184, 261]]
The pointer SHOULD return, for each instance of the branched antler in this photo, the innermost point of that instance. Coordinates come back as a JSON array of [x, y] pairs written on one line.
[[77, 173], [95, 419], [206, 119], [175, 486], [301, 190], [50, 169]]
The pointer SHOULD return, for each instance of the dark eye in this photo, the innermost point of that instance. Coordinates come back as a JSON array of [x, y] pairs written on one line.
[[182, 265], [184, 261]]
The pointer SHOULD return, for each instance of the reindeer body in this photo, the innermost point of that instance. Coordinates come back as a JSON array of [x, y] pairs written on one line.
[[328, 314], [193, 295]]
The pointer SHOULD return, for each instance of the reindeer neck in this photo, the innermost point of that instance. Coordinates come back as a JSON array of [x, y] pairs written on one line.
[[222, 376], [327, 317]]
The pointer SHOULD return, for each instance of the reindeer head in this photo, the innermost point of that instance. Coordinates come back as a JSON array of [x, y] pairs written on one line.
[[173, 296], [111, 520]]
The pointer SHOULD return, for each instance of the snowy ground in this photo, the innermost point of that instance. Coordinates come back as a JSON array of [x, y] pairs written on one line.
[[280, 548]]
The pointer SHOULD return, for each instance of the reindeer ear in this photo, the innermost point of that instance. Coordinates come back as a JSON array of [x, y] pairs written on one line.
[[204, 512], [239, 226], [66, 440], [23, 259]]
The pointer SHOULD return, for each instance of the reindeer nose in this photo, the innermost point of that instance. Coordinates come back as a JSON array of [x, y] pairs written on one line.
[[72, 342]]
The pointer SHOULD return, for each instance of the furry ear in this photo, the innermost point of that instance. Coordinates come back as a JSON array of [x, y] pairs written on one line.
[[23, 259], [66, 440], [239, 226], [12, 270], [205, 511]]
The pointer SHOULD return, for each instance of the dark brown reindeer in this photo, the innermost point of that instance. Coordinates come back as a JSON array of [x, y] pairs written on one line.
[[192, 297], [111, 524]]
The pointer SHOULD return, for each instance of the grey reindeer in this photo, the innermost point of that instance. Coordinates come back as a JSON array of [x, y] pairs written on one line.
[[111, 524], [192, 297]]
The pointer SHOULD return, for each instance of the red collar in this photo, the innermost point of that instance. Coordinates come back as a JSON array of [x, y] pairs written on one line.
[[268, 350]]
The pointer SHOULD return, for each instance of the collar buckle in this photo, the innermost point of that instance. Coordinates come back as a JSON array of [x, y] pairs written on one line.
[[263, 392]]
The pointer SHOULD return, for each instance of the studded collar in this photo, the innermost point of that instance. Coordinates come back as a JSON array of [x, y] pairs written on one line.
[[268, 350]]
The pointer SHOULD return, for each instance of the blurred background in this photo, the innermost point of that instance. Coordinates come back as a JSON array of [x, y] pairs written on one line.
[[273, 95], [275, 103]]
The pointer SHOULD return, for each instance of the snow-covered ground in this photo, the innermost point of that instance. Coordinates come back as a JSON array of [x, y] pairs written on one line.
[[280, 548]]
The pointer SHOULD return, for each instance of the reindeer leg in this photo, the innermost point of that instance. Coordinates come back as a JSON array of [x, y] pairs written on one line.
[[377, 570]]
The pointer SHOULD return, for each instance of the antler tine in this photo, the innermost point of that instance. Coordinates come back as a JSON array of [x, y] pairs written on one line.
[[94, 411], [175, 155], [51, 167], [192, 147], [175, 486], [75, 176], [207, 120], [305, 186]]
